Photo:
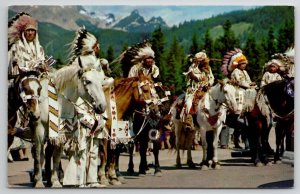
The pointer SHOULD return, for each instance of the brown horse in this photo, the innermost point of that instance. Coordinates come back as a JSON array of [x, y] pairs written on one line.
[[131, 94], [275, 102], [24, 93]]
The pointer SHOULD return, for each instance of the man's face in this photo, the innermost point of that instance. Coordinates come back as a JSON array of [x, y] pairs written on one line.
[[148, 62], [96, 49], [30, 35], [242, 66]]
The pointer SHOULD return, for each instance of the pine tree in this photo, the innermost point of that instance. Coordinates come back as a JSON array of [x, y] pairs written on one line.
[[251, 51], [228, 41], [286, 36], [110, 54], [194, 47], [271, 43], [158, 44], [208, 43], [175, 59]]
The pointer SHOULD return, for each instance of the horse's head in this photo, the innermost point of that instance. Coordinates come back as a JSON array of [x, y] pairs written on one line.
[[29, 89], [91, 81], [226, 93], [145, 91]]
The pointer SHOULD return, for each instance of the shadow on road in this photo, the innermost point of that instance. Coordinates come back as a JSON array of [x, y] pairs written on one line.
[[279, 184]]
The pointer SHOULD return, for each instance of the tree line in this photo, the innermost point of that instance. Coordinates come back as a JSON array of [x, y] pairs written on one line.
[[173, 61]]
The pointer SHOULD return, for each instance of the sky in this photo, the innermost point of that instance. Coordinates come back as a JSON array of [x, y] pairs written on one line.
[[172, 15]]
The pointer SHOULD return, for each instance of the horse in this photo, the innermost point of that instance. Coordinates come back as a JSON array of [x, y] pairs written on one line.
[[211, 115], [25, 94], [274, 102], [130, 95], [184, 135], [71, 82]]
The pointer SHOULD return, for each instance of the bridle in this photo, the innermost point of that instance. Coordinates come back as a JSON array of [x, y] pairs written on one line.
[[25, 96]]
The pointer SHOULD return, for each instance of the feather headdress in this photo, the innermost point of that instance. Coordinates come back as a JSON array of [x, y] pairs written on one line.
[[82, 44], [231, 60], [284, 60], [135, 54], [17, 25]]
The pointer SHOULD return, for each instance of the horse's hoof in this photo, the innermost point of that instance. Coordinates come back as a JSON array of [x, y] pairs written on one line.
[[56, 184], [130, 171], [178, 166], [158, 173], [104, 182], [258, 164], [217, 167], [115, 182], [122, 179], [191, 164], [269, 164], [204, 167], [278, 162], [142, 174], [39, 184]]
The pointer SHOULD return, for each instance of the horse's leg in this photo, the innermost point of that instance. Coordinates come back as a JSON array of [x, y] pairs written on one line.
[[204, 163], [111, 173], [38, 154], [118, 173], [143, 150], [130, 169], [254, 130], [178, 129], [48, 161], [156, 147], [58, 150], [279, 132], [216, 164], [190, 135], [103, 161]]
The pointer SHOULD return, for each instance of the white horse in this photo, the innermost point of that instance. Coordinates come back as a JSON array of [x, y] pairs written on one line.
[[210, 116], [71, 82]]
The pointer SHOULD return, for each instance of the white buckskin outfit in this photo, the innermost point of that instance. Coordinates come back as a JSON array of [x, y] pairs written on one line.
[[197, 78], [82, 169], [245, 92]]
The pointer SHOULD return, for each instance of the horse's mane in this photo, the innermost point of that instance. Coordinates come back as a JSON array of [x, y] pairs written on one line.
[[122, 83], [65, 75]]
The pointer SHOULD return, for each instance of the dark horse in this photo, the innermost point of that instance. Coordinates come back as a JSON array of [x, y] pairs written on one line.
[[149, 127], [274, 102]]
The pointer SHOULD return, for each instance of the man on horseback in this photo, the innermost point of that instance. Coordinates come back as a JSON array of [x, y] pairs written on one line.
[[199, 80], [25, 52], [234, 66], [145, 65], [25, 55]]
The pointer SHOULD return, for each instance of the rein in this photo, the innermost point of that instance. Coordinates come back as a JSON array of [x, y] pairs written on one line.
[[276, 115]]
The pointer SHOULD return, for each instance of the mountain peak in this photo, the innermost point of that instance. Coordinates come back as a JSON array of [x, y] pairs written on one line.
[[135, 12]]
